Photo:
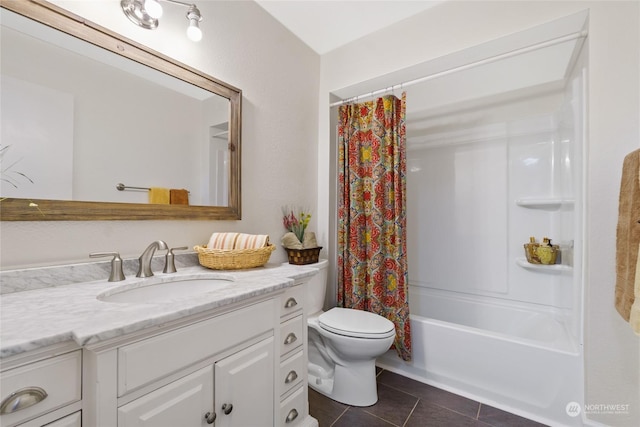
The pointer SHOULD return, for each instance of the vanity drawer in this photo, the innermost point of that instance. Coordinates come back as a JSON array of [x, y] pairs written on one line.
[[60, 377], [153, 358], [292, 300], [292, 409], [291, 335], [292, 372], [73, 420]]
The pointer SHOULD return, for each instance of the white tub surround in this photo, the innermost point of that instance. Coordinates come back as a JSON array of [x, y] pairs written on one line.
[[533, 377], [496, 155], [188, 358], [518, 357]]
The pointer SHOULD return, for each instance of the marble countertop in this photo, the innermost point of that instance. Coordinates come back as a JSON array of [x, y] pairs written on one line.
[[33, 319]]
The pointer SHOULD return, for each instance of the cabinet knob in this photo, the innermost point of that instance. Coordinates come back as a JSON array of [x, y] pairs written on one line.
[[291, 302], [290, 338], [292, 415], [22, 399], [210, 417], [227, 408], [291, 377]]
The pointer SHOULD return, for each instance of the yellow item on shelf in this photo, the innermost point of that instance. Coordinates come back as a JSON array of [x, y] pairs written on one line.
[[178, 196], [547, 254], [159, 196]]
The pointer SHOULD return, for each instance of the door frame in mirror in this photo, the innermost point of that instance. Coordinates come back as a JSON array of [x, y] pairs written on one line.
[[12, 209]]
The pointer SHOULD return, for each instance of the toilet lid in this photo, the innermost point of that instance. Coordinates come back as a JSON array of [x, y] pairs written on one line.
[[356, 323]]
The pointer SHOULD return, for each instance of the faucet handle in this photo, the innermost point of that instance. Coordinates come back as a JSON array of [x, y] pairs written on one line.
[[169, 260], [116, 265]]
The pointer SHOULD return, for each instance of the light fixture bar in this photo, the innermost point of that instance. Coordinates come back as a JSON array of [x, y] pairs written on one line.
[[178, 2], [136, 12]]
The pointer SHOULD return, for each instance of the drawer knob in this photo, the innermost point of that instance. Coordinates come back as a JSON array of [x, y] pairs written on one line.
[[292, 415], [291, 302], [291, 377], [290, 338], [22, 399], [227, 408], [210, 417]]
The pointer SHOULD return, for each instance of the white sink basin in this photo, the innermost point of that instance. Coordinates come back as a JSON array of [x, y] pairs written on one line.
[[166, 292]]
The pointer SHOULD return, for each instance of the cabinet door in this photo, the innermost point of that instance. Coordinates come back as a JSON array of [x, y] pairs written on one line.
[[182, 403], [244, 387]]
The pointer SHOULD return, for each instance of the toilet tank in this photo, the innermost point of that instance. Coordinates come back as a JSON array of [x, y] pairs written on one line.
[[317, 287]]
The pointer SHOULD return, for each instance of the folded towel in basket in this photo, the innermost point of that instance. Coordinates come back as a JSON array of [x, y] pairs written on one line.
[[290, 241], [310, 240], [237, 241], [251, 241]]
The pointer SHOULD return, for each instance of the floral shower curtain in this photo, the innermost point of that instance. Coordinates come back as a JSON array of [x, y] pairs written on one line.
[[372, 261]]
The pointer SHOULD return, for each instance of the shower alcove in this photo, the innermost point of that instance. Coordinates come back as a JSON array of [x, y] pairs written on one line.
[[496, 154]]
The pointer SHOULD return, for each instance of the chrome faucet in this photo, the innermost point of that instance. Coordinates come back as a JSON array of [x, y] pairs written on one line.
[[144, 268]]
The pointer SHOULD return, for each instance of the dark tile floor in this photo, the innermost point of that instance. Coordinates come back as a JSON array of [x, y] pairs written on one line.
[[404, 402]]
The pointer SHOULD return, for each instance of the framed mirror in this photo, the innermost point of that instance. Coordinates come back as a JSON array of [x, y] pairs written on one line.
[[98, 127]]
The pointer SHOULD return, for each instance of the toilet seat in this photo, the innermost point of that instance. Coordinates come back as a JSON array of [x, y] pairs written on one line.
[[356, 323]]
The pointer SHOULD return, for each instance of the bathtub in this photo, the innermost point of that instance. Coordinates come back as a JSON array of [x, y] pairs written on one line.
[[455, 340]]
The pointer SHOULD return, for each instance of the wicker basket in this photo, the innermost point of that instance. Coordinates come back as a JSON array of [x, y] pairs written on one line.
[[303, 256], [233, 259]]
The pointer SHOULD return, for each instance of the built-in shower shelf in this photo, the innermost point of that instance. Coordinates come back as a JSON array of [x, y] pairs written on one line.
[[551, 203], [554, 268]]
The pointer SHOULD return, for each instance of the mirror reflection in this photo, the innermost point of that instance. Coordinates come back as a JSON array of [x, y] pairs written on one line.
[[81, 123], [77, 125]]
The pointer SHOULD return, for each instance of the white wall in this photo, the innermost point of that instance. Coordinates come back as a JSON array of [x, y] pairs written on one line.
[[278, 74], [612, 351]]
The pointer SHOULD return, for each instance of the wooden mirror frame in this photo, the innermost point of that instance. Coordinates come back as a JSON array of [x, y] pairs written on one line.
[[12, 209]]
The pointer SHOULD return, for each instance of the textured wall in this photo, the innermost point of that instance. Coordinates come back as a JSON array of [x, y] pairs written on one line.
[[278, 74]]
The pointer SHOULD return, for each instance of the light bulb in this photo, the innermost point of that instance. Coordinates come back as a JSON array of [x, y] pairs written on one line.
[[193, 31], [153, 8]]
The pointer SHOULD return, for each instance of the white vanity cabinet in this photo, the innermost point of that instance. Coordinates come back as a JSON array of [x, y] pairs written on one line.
[[182, 402], [242, 367], [244, 387], [218, 368], [230, 359], [189, 400], [46, 390], [292, 370]]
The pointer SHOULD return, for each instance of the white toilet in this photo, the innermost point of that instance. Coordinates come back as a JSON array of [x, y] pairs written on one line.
[[343, 346]]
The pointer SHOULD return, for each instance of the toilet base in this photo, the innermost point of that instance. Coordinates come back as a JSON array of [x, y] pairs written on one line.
[[353, 385]]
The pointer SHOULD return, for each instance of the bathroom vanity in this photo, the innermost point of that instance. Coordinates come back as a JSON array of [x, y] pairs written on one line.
[[235, 356]]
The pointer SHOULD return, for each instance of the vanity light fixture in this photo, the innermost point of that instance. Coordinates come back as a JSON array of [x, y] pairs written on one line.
[[145, 13]]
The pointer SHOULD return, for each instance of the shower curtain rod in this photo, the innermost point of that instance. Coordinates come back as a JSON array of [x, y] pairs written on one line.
[[552, 42]]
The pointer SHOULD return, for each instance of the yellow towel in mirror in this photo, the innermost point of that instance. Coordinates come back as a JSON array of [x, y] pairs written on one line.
[[179, 196], [159, 196]]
